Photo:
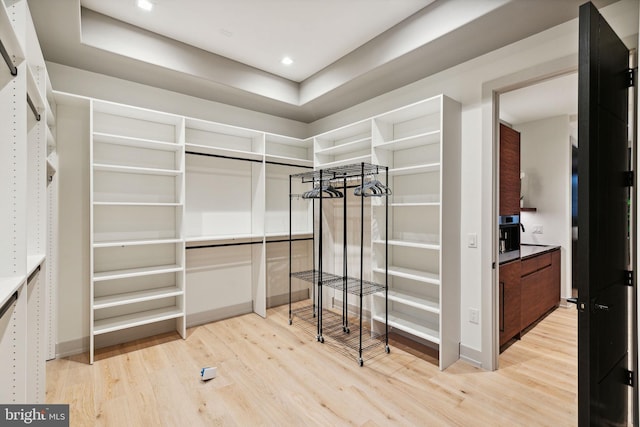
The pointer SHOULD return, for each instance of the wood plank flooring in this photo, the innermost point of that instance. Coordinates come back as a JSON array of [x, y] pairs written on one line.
[[273, 374]]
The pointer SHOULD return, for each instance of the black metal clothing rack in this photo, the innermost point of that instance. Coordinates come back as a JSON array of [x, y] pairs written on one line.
[[345, 283]]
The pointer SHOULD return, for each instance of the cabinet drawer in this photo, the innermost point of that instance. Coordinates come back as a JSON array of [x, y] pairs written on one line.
[[536, 263]]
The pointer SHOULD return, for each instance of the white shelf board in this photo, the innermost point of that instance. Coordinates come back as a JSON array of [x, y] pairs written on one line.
[[412, 301], [52, 165], [33, 261], [413, 326], [408, 273], [9, 37], [419, 140], [129, 111], [135, 297], [8, 286], [132, 320], [135, 272], [135, 170], [366, 158], [410, 244], [418, 109], [136, 204], [291, 160], [347, 147], [139, 242], [285, 234], [128, 141], [411, 170], [222, 237], [223, 152]]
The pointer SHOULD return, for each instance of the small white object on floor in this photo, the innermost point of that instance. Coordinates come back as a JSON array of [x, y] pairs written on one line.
[[207, 374]]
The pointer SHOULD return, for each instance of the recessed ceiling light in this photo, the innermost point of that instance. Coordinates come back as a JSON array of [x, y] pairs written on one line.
[[287, 61], [145, 5]]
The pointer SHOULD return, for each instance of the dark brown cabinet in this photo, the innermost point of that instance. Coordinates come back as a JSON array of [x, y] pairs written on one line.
[[509, 294], [540, 286], [509, 171], [528, 289]]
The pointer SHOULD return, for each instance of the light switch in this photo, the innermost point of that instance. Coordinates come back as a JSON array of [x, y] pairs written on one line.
[[472, 238]]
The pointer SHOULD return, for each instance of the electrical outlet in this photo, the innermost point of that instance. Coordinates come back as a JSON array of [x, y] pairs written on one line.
[[474, 315], [537, 229]]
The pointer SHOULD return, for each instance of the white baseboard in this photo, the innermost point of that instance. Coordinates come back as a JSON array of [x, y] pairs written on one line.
[[471, 355], [195, 319]]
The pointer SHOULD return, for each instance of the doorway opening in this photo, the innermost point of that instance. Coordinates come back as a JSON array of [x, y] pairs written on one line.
[[538, 278]]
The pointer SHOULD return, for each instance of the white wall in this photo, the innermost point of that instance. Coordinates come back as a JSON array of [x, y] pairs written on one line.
[[545, 158]]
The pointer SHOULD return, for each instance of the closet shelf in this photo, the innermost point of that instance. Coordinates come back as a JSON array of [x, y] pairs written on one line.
[[345, 162], [412, 170], [33, 262], [33, 92], [8, 286], [9, 38], [295, 161], [223, 152], [137, 204], [347, 147], [410, 244], [412, 300], [413, 141], [136, 297], [352, 285], [408, 273], [135, 272], [312, 276], [223, 237], [113, 324], [285, 234], [135, 170], [128, 141], [340, 172], [138, 242], [412, 325]]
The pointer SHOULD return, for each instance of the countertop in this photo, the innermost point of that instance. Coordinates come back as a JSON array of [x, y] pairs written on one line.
[[526, 251]]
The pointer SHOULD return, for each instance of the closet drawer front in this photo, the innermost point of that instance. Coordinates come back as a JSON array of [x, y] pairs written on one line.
[[535, 263]]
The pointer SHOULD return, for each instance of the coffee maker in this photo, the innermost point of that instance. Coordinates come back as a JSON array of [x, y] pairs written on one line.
[[509, 226]]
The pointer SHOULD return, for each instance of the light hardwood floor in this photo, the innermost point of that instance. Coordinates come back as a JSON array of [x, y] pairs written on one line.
[[273, 374]]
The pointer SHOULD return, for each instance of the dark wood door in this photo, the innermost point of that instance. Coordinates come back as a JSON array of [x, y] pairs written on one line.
[[509, 171], [603, 223]]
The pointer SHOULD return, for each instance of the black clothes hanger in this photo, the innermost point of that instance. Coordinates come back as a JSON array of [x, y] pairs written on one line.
[[373, 188], [327, 190]]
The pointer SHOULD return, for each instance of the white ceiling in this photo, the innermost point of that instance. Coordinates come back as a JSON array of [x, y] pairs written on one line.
[[345, 51], [259, 33], [550, 98]]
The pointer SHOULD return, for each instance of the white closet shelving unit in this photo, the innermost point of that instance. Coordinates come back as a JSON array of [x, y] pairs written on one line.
[[421, 145], [284, 156], [235, 213], [23, 215], [225, 220], [346, 145], [137, 210]]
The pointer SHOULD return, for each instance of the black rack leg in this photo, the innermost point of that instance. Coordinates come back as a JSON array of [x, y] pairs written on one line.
[[290, 249]]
